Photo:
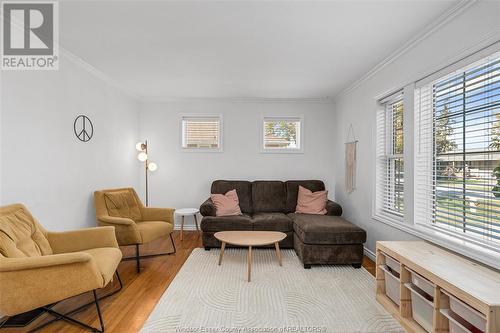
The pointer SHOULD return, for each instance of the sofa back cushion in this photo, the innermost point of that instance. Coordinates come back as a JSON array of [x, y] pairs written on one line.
[[243, 190], [292, 190], [268, 196], [20, 234], [123, 203]]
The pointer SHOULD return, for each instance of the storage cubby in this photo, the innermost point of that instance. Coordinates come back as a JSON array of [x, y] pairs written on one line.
[[429, 289]]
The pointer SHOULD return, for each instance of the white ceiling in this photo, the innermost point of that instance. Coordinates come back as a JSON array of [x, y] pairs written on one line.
[[207, 49]]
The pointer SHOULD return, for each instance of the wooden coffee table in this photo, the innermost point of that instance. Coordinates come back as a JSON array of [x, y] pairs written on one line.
[[250, 239]]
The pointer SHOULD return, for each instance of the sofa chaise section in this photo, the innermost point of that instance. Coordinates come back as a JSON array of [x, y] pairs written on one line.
[[323, 239]]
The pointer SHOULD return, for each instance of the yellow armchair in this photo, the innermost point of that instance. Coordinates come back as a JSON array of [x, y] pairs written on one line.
[[38, 268], [134, 223]]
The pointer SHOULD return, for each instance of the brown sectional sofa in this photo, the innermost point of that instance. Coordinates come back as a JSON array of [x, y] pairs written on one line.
[[270, 205]]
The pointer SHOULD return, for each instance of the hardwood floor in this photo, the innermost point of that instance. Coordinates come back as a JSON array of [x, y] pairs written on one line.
[[128, 310]]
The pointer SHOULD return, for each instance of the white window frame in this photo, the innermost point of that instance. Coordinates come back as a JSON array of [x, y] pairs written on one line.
[[195, 116], [300, 138], [378, 212], [480, 251]]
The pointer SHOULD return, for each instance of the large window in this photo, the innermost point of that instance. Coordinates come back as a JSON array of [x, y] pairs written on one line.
[[390, 160], [457, 167], [282, 134], [201, 133]]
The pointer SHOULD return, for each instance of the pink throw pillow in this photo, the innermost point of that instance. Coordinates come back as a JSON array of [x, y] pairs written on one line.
[[311, 202], [226, 204]]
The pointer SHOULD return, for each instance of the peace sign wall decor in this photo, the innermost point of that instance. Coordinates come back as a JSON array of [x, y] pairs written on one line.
[[83, 128]]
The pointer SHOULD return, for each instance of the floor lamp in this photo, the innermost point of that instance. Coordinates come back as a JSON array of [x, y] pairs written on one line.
[[142, 147]]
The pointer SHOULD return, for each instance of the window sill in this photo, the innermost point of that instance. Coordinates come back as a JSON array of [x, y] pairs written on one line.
[[282, 151], [467, 248], [201, 150]]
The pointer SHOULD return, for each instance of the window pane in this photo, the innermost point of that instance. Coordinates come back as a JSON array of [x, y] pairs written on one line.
[[396, 184], [390, 161], [201, 133], [467, 151], [397, 128], [282, 134]]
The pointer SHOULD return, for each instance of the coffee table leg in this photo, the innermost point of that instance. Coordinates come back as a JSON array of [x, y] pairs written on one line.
[[223, 246], [278, 253], [249, 262]]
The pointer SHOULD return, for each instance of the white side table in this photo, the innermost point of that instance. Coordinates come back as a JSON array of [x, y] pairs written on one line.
[[183, 212]]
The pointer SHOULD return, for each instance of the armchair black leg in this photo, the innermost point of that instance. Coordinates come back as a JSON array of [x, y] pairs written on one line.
[[307, 266], [173, 244], [207, 248], [137, 258], [101, 322], [356, 265], [65, 316]]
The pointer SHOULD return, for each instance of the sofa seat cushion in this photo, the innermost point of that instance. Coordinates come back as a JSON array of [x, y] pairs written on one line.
[[152, 230], [325, 229], [272, 222], [226, 223], [107, 260]]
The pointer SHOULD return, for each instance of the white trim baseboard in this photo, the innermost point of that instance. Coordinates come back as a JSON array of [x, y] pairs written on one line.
[[369, 253], [187, 227]]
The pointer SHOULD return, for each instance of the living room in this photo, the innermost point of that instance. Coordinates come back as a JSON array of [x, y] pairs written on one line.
[[208, 166]]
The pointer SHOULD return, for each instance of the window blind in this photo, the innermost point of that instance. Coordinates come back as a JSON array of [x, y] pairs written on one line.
[[201, 132], [390, 162], [457, 151]]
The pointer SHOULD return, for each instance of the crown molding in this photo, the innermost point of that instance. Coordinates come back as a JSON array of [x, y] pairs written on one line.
[[94, 71], [159, 99], [410, 44]]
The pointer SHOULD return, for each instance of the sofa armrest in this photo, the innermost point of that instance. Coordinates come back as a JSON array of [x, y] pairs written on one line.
[[31, 282], [333, 208], [126, 230], [83, 239], [158, 214], [207, 208], [112, 220], [26, 263]]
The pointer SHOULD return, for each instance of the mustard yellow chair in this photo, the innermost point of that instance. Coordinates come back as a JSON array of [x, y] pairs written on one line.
[[39, 268], [134, 223]]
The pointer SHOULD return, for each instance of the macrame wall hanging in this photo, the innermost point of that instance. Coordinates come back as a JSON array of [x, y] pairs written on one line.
[[350, 160]]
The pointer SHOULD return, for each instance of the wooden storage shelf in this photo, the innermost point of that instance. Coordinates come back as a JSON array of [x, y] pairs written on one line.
[[471, 283]]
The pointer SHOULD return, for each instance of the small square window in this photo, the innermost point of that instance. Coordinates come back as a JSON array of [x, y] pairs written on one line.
[[282, 134], [201, 133]]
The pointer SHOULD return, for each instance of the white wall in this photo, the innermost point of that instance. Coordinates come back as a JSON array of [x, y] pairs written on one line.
[[43, 165], [464, 32], [183, 178]]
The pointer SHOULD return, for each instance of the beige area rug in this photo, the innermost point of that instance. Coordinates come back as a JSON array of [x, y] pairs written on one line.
[[205, 297]]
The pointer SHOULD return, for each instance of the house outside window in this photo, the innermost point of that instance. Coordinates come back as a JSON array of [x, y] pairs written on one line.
[[458, 160], [282, 134]]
